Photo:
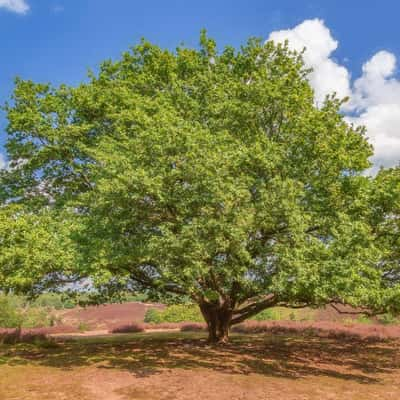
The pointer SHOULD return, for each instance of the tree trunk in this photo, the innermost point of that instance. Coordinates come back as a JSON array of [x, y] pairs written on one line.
[[218, 318], [224, 324]]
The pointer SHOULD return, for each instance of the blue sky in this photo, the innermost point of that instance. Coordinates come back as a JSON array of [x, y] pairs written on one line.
[[58, 40]]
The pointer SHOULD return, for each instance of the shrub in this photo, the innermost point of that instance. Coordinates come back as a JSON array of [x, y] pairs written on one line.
[[163, 325], [285, 314], [388, 319], [132, 328], [32, 337], [140, 297], [36, 317], [83, 327], [9, 336], [174, 313], [269, 314], [9, 315], [56, 301], [14, 336], [152, 316], [363, 319], [51, 300], [194, 327], [16, 312]]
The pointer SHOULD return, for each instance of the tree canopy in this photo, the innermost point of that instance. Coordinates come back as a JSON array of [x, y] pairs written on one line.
[[204, 175]]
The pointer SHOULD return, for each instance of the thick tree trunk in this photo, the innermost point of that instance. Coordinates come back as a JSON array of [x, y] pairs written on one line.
[[218, 317]]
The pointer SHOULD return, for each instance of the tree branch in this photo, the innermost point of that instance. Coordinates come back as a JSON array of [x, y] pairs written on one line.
[[367, 312], [253, 309], [169, 287]]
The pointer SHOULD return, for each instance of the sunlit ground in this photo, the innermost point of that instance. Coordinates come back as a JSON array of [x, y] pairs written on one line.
[[182, 366]]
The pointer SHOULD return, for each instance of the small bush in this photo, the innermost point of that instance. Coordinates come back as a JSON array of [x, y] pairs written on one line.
[[152, 316], [15, 311], [363, 319], [174, 313], [163, 325], [36, 318], [14, 336], [33, 338], [269, 314], [194, 327], [138, 297], [132, 328], [83, 327], [58, 329], [388, 319], [9, 315], [284, 314], [9, 336], [50, 300]]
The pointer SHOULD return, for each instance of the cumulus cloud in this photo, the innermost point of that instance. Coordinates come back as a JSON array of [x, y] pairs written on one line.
[[376, 84], [374, 96], [17, 6], [382, 122], [327, 76], [376, 101]]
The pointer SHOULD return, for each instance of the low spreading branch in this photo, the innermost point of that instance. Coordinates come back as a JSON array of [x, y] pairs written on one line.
[[252, 309]]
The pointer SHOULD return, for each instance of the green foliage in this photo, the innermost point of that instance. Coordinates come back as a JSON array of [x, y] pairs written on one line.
[[36, 317], [362, 319], [199, 173], [35, 248], [389, 319], [9, 317], [270, 314], [140, 297], [284, 314], [174, 313], [15, 311], [54, 300], [152, 316], [83, 326]]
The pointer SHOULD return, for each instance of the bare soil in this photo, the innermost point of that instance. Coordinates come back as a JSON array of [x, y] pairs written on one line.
[[107, 316], [182, 366]]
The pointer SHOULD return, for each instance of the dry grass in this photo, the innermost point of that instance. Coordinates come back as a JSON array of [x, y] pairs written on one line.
[[182, 366]]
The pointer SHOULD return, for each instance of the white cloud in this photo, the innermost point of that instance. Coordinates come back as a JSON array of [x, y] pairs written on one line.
[[376, 84], [374, 96], [327, 76], [383, 132], [376, 99], [18, 6]]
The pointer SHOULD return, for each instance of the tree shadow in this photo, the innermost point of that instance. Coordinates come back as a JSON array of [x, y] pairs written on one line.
[[276, 356]]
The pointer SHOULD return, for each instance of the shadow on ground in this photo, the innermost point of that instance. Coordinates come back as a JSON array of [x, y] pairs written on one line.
[[277, 356]]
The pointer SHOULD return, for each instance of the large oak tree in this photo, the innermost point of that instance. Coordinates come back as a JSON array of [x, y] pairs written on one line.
[[204, 175]]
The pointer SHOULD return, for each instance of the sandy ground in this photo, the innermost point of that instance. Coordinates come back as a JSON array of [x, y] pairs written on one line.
[[106, 316], [182, 366]]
